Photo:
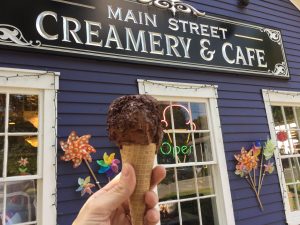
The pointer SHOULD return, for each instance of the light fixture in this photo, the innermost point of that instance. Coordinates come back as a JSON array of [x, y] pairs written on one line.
[[243, 3]]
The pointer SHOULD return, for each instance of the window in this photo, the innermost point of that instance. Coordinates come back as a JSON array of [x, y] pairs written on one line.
[[27, 174], [283, 111], [196, 187]]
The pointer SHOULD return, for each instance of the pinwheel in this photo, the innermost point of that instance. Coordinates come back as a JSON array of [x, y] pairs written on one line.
[[109, 165], [77, 148], [85, 186]]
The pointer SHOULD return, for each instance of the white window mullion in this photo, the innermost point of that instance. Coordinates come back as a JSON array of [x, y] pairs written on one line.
[[4, 204]]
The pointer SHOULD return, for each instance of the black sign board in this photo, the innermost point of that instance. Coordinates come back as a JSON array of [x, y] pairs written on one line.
[[168, 32]]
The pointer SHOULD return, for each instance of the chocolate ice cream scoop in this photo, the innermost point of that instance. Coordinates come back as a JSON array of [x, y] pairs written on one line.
[[135, 119]]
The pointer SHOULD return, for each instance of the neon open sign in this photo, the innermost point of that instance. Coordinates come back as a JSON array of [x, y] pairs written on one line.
[[168, 149]]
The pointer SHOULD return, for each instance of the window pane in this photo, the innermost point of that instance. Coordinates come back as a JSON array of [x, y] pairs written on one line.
[[287, 170], [1, 155], [167, 188], [186, 182], [166, 115], [295, 141], [278, 118], [292, 197], [181, 115], [22, 155], [209, 211], [23, 113], [203, 147], [2, 111], [166, 152], [283, 142], [169, 214], [184, 148], [190, 213], [205, 180], [21, 201], [290, 118], [298, 115], [199, 116]]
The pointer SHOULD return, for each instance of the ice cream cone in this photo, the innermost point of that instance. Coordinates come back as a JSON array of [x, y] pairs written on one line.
[[141, 157]]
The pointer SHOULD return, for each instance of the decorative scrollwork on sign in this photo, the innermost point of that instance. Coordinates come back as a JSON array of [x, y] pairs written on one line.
[[280, 69], [274, 35], [173, 5], [11, 34]]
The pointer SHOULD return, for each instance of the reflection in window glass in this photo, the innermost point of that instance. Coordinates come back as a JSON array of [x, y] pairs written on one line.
[[167, 188], [287, 170], [184, 148], [2, 111], [169, 214], [186, 182], [290, 118], [21, 201], [292, 197], [189, 211], [209, 211], [203, 147], [22, 155], [166, 152], [278, 117], [23, 113], [297, 109], [199, 116], [204, 180], [1, 201], [181, 115]]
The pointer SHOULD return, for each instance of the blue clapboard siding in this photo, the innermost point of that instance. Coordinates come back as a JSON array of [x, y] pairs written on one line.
[[87, 87]]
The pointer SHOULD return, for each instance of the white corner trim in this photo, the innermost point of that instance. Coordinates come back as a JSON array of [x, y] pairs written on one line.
[[208, 93], [296, 3]]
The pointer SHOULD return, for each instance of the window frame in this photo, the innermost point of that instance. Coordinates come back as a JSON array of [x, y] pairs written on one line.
[[46, 84], [296, 3], [281, 98], [203, 93]]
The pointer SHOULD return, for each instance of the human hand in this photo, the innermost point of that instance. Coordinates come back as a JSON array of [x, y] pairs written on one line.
[[109, 205]]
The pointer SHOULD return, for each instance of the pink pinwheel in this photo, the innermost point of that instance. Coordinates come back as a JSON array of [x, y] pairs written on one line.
[[109, 165]]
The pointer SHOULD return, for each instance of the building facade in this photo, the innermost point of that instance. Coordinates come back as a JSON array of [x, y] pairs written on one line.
[[210, 111]]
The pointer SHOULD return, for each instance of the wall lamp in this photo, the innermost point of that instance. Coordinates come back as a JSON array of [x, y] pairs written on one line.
[[243, 3]]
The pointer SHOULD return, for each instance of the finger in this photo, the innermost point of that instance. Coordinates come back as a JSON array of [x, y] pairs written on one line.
[[151, 199], [152, 217], [108, 186], [158, 174], [120, 192]]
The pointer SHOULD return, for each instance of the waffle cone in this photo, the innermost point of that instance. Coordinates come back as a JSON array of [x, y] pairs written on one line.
[[141, 157]]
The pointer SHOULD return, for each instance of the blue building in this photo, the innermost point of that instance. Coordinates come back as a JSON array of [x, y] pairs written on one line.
[[60, 69]]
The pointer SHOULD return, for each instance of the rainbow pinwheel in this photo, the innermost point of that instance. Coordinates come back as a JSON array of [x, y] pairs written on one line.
[[85, 186], [109, 165], [77, 149]]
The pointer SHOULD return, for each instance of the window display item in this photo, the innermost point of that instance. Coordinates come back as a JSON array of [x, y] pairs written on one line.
[[134, 123]]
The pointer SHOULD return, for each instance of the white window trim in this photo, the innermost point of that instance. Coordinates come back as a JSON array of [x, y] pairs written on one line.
[[290, 99], [48, 83], [296, 3], [162, 90]]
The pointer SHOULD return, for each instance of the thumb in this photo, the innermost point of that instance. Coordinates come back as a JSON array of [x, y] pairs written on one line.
[[122, 190]]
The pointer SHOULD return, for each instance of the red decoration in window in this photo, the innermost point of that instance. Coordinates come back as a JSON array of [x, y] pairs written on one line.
[[282, 136]]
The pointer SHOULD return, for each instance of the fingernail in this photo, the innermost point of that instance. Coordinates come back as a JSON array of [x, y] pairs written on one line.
[[125, 170]]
